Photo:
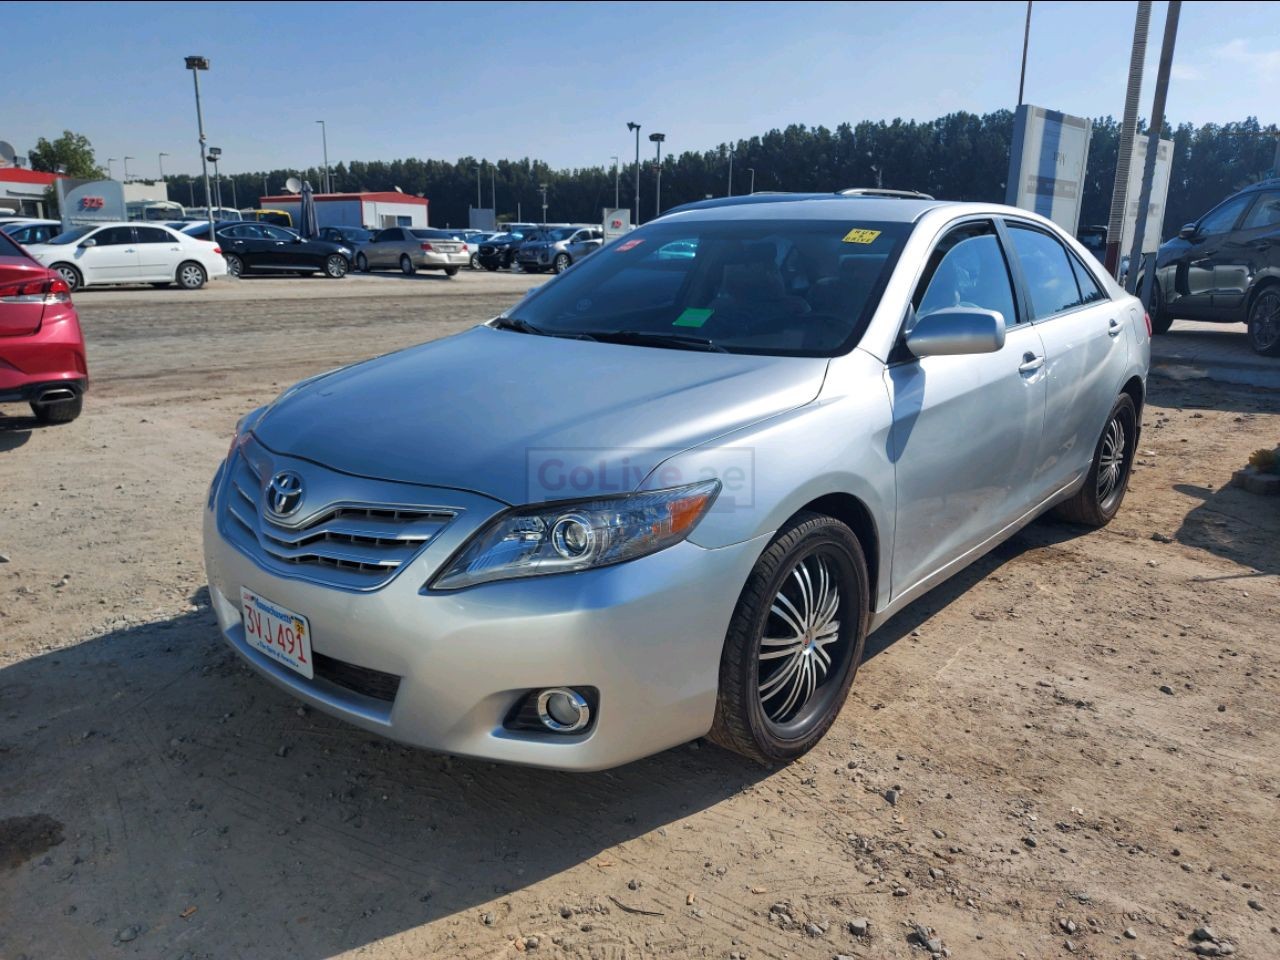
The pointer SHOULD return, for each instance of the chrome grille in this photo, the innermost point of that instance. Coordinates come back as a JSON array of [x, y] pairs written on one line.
[[353, 545]]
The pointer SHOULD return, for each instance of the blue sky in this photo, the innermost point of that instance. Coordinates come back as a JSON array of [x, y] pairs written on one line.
[[559, 82]]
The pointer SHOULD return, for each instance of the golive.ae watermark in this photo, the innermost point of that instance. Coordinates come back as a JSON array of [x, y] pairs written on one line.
[[568, 473]]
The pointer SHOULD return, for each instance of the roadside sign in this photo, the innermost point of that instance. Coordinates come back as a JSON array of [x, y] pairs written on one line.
[[83, 202], [1047, 164], [615, 223], [1159, 194]]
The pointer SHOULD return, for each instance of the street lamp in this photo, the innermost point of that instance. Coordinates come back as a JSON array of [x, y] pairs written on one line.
[[126, 167], [752, 171], [543, 188], [195, 65], [214, 154], [479, 202], [636, 201], [160, 159], [656, 139], [324, 137], [617, 182], [730, 193], [110, 161]]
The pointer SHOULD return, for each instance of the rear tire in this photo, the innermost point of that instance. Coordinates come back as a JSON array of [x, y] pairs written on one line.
[[70, 275], [1161, 319], [491, 267], [235, 266], [407, 267], [336, 266], [1098, 501], [59, 411], [784, 612], [475, 261], [451, 271], [191, 275], [362, 263], [1264, 322]]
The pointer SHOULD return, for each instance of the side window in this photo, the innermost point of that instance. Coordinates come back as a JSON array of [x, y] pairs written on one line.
[[1222, 219], [387, 235], [114, 236], [152, 235], [967, 269], [1090, 292], [275, 233], [1265, 213], [1051, 283]]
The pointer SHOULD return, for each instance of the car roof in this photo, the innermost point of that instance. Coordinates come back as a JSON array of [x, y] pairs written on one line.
[[808, 206]]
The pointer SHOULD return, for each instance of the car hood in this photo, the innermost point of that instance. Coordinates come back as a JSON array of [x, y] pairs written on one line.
[[524, 418]]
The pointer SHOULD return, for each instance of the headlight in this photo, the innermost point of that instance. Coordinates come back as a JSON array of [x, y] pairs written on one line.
[[578, 535], [345, 251]]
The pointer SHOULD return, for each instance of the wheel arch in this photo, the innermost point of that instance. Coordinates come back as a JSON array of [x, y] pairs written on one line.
[[1266, 283], [855, 515]]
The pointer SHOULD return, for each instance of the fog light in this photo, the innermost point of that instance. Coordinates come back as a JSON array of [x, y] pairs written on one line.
[[563, 710]]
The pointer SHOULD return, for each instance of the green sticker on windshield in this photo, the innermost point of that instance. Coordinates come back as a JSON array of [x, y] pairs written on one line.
[[693, 317]]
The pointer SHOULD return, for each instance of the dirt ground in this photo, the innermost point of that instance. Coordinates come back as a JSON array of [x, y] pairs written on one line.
[[1080, 734]]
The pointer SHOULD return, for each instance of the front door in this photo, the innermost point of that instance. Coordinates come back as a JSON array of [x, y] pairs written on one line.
[[113, 258], [282, 247], [966, 429], [1197, 276], [1250, 251]]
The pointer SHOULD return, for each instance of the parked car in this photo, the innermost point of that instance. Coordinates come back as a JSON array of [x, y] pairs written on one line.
[[412, 249], [42, 357], [1225, 267], [558, 249], [252, 247], [473, 239], [351, 237], [1094, 239], [130, 253], [499, 252], [834, 405], [27, 232]]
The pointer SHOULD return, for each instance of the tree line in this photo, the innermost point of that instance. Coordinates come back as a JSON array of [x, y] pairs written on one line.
[[961, 156]]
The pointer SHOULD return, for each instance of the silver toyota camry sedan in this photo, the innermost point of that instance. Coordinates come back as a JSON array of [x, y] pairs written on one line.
[[669, 493]]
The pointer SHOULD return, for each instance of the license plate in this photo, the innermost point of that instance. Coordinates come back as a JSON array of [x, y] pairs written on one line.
[[277, 632]]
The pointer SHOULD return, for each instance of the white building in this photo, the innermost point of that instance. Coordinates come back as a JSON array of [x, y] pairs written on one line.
[[372, 210]]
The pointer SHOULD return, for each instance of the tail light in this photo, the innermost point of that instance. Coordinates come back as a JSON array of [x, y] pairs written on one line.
[[47, 290], [217, 249], [1147, 317], [464, 248], [425, 245]]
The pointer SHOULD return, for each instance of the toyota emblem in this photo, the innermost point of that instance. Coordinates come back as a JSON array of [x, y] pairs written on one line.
[[284, 493]]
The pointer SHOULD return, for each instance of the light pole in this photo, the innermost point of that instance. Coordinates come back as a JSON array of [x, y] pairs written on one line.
[[160, 159], [617, 182], [479, 204], [656, 139], [493, 191], [752, 171], [730, 193], [234, 202], [195, 65], [636, 128], [110, 161], [543, 188], [266, 191], [126, 167], [214, 154], [324, 138]]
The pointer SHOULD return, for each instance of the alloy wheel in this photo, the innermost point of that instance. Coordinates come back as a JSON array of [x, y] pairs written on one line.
[[70, 276], [1111, 462], [1264, 322], [191, 276], [362, 264], [803, 645], [235, 266], [336, 266]]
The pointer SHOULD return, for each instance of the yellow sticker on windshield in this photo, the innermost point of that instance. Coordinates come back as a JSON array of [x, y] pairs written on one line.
[[861, 236]]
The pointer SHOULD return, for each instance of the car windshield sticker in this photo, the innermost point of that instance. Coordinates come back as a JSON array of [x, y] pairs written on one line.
[[861, 236], [624, 247], [693, 317]]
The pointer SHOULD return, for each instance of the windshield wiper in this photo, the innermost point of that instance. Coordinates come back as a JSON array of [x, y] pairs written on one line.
[[524, 326], [658, 338]]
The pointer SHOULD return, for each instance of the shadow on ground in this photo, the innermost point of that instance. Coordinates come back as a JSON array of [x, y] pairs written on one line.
[[1237, 525], [15, 431], [182, 780]]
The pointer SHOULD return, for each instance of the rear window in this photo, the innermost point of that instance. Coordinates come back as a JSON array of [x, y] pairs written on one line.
[[10, 249], [780, 287], [434, 235]]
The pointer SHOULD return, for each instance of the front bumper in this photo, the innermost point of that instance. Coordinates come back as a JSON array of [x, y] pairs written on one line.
[[646, 634]]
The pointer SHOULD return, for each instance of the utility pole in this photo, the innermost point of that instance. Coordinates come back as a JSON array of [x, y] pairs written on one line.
[[1153, 147], [160, 158], [730, 193], [617, 181], [195, 65], [1128, 130], [126, 167], [324, 137], [636, 128], [479, 204], [110, 161], [656, 139], [493, 191], [752, 171], [1026, 38], [543, 188]]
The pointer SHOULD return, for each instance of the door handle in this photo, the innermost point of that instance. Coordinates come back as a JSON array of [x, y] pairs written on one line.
[[1030, 363], [1113, 327], [1262, 244]]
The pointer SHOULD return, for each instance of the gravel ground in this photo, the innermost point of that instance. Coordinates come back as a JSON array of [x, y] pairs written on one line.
[[1071, 747]]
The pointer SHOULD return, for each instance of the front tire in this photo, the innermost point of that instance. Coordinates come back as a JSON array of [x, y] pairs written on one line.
[[1095, 503], [362, 263], [491, 267], [1264, 322], [407, 267], [794, 643], [451, 271], [475, 261], [70, 275], [562, 263], [59, 411], [235, 266], [1161, 318], [191, 275], [336, 266]]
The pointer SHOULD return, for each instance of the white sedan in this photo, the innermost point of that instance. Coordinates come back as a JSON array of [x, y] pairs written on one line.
[[130, 253]]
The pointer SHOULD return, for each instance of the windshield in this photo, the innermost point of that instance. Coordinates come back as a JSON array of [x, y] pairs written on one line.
[[71, 236], [355, 234], [780, 287]]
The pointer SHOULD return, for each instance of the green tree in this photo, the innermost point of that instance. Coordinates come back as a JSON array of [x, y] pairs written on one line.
[[72, 152]]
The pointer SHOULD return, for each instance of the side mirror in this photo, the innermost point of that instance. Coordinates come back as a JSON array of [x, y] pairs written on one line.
[[297, 239], [1188, 231], [956, 330], [89, 243]]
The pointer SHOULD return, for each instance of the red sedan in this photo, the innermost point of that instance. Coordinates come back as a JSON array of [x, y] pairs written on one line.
[[42, 360]]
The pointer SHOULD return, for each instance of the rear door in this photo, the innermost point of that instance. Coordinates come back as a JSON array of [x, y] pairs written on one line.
[[158, 253], [1196, 279], [1249, 252], [283, 248], [966, 429], [22, 283], [246, 242], [1086, 356]]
